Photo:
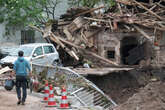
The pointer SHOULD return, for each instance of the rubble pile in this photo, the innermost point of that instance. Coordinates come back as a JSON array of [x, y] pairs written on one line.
[[150, 97], [74, 32], [150, 15]]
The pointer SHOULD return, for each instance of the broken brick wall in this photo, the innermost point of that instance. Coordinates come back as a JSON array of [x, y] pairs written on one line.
[[117, 46], [108, 45]]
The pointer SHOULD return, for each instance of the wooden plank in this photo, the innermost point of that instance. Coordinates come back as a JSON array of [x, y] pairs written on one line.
[[76, 24], [56, 39], [151, 12], [70, 52], [99, 71], [150, 9], [5, 69], [93, 19], [100, 57], [84, 38], [63, 23], [67, 33], [142, 32]]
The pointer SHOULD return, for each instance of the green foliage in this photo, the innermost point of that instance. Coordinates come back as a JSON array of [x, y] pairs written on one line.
[[20, 13], [91, 3]]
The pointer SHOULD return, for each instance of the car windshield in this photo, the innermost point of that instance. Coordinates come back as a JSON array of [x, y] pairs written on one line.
[[27, 51]]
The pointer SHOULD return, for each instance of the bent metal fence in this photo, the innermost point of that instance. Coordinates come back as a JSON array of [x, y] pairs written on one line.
[[87, 93]]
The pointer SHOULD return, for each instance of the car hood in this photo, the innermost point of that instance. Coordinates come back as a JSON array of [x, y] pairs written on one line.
[[11, 59]]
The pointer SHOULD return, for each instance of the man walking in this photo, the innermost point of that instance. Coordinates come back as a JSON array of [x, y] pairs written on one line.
[[21, 66]]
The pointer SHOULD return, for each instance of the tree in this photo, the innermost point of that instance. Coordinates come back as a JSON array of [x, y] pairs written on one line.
[[20, 13]]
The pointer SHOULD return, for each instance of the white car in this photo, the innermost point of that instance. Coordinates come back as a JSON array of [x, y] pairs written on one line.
[[36, 53]]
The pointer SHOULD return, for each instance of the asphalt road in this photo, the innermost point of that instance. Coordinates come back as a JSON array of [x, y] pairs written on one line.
[[8, 101]]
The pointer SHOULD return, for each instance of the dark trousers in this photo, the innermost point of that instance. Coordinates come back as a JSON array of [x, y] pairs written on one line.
[[21, 82]]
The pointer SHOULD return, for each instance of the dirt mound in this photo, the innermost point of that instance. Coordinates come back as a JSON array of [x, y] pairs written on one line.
[[121, 86], [151, 97]]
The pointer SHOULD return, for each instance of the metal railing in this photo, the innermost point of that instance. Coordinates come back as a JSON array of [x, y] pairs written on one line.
[[87, 93]]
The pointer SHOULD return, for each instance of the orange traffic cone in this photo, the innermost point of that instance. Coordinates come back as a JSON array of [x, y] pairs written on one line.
[[51, 101], [46, 92], [64, 102]]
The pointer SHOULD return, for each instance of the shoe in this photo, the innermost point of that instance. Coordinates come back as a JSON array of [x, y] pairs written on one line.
[[19, 102], [23, 103]]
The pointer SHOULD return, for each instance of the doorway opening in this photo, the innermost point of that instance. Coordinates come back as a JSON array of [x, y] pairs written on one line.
[[127, 44]]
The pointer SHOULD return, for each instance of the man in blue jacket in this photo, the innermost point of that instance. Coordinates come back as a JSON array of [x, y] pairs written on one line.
[[21, 66]]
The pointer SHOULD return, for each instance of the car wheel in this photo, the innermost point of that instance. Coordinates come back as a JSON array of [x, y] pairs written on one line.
[[57, 63], [54, 63]]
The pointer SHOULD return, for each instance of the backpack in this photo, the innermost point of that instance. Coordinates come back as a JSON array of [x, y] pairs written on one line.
[[9, 84]]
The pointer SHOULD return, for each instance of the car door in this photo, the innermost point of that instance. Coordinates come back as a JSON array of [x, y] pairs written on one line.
[[50, 53], [38, 55]]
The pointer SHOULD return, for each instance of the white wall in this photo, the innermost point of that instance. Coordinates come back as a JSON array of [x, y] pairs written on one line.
[[13, 39]]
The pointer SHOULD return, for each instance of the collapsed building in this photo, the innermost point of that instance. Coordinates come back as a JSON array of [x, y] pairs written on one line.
[[129, 33]]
